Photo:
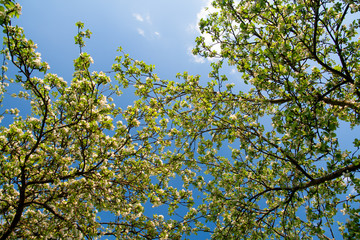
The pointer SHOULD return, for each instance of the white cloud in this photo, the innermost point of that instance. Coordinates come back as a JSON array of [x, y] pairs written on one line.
[[205, 10], [142, 18], [148, 20], [148, 34], [195, 58], [146, 30], [138, 17], [234, 70], [141, 32], [198, 59], [202, 14]]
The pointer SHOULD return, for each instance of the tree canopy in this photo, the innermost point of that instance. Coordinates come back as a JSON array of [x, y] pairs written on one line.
[[265, 163]]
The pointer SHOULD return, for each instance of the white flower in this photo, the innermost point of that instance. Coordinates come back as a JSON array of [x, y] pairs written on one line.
[[343, 211], [14, 111], [18, 8], [2, 15], [102, 101], [37, 62], [233, 117], [136, 122]]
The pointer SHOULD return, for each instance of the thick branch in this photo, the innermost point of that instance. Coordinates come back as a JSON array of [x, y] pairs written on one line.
[[342, 103], [317, 181], [336, 174], [19, 209], [330, 101]]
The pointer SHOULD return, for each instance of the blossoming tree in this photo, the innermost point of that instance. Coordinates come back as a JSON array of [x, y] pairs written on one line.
[[287, 174], [71, 160], [267, 163]]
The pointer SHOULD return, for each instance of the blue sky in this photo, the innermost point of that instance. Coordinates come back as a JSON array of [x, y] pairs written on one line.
[[160, 32]]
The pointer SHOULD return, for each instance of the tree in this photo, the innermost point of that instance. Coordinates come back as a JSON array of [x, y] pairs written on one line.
[[267, 163], [287, 174], [71, 159]]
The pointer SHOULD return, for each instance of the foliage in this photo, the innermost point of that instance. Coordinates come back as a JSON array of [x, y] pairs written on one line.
[[71, 160], [267, 163], [291, 178]]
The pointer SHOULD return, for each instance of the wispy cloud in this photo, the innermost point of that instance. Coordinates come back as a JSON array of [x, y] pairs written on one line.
[[147, 29], [205, 11], [202, 14], [142, 18], [234, 70], [138, 17], [141, 32], [195, 58], [148, 19], [148, 34]]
